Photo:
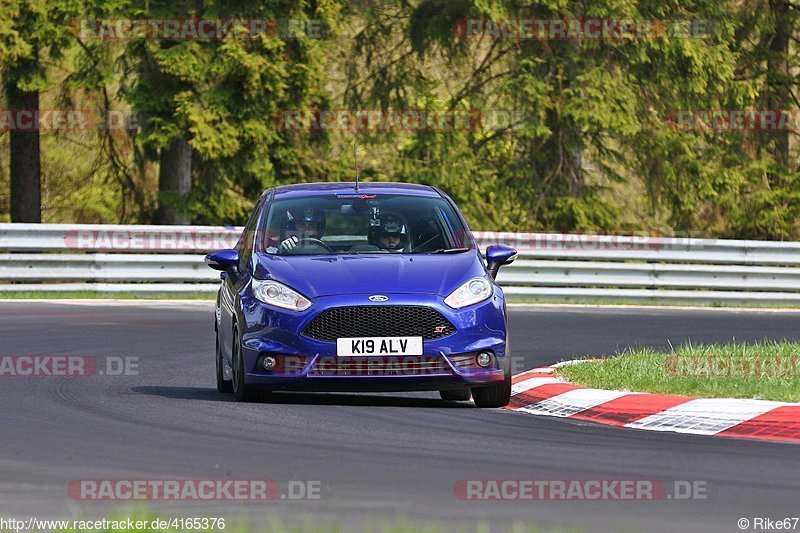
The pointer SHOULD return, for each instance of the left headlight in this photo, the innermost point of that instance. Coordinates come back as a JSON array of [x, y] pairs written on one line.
[[473, 291], [277, 294]]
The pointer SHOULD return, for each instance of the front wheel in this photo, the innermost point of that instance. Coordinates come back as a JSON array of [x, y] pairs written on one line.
[[457, 395], [242, 391], [494, 395], [223, 385], [498, 395]]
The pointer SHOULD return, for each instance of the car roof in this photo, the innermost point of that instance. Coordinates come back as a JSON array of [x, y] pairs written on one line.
[[315, 189]]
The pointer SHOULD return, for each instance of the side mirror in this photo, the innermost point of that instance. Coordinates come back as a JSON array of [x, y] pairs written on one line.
[[224, 260], [498, 255]]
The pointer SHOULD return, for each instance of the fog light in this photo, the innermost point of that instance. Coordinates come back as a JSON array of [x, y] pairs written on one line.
[[269, 362], [484, 359]]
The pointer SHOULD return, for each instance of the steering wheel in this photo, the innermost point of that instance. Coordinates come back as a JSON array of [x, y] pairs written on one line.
[[314, 241]]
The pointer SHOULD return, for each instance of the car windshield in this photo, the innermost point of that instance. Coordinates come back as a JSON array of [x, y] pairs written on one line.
[[363, 224]]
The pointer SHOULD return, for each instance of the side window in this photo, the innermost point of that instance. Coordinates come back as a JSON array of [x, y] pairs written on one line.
[[245, 230], [268, 231], [245, 244]]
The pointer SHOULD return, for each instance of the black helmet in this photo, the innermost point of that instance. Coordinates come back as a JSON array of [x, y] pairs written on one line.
[[305, 214], [389, 225]]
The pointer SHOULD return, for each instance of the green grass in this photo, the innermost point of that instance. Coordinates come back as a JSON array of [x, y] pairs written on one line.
[[89, 295], [767, 370]]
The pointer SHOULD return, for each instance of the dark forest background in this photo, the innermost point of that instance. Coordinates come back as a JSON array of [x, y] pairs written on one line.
[[564, 134]]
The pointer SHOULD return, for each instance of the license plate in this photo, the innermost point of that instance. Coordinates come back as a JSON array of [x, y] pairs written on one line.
[[350, 346]]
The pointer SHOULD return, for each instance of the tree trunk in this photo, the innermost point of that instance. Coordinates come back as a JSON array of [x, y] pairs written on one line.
[[779, 79], [175, 182], [26, 193]]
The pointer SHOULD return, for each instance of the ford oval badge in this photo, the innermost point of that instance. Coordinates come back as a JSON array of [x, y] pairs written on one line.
[[378, 298]]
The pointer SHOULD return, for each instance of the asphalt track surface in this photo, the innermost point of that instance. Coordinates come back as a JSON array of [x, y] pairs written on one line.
[[379, 457]]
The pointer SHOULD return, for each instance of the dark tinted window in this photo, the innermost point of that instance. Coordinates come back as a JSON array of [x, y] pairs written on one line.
[[344, 224], [247, 239]]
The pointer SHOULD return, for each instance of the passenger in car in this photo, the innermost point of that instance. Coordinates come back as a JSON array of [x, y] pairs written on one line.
[[391, 234]]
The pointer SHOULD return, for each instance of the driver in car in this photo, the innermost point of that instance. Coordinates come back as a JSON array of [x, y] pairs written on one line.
[[300, 224]]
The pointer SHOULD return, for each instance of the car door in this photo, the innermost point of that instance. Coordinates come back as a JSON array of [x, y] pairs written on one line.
[[229, 298]]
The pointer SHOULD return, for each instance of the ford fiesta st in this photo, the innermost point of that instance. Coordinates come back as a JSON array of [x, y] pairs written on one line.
[[377, 287]]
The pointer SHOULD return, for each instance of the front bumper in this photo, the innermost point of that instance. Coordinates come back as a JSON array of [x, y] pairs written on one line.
[[275, 332]]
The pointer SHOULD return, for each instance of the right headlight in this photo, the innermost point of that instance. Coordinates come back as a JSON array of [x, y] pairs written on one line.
[[473, 291], [279, 295]]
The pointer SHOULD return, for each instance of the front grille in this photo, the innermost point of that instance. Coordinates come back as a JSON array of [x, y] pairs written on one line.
[[379, 321], [380, 366]]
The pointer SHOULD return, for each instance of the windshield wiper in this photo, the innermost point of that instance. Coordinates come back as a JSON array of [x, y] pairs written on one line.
[[450, 250], [359, 252]]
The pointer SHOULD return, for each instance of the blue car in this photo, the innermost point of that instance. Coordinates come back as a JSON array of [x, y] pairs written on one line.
[[361, 287]]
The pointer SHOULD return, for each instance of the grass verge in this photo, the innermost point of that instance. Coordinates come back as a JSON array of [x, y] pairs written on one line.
[[766, 370]]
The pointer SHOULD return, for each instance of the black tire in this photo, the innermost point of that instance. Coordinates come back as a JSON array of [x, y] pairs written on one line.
[[498, 395], [457, 395], [494, 395], [242, 391], [222, 384]]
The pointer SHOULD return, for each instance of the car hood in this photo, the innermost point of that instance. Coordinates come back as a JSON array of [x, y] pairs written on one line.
[[374, 274]]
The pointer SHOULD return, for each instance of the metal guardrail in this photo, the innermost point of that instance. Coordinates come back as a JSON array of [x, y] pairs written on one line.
[[553, 267]]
